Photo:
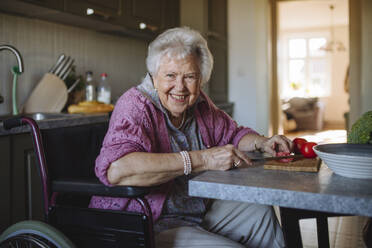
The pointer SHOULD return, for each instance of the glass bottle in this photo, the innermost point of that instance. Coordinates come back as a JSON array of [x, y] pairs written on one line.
[[90, 87], [104, 90]]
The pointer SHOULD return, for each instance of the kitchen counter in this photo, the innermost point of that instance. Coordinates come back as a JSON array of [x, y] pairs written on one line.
[[67, 120]]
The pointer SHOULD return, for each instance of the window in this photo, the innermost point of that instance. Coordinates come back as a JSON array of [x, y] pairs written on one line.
[[306, 68]]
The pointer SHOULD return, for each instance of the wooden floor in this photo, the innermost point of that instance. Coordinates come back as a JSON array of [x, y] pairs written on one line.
[[344, 232]]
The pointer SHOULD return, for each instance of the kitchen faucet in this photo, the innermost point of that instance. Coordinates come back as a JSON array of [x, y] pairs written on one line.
[[19, 71]]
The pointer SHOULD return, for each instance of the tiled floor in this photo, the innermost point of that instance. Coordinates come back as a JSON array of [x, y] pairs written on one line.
[[344, 232]]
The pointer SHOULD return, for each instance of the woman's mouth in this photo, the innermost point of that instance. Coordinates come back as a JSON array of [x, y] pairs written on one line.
[[178, 98]]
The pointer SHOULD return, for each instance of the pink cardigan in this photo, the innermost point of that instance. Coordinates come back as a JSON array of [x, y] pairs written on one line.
[[136, 125]]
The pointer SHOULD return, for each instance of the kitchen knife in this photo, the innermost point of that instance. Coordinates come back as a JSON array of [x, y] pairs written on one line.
[[62, 64], [66, 74], [277, 158], [65, 68], [72, 87], [59, 60]]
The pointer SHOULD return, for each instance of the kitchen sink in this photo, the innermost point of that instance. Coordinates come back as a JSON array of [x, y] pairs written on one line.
[[39, 116]]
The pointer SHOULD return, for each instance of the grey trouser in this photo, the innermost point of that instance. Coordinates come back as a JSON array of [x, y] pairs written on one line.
[[228, 224]]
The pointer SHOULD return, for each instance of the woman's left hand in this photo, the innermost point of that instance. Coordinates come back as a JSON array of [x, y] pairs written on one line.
[[277, 143]]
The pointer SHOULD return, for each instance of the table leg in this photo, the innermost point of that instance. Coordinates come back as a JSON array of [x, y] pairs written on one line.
[[322, 230], [291, 228]]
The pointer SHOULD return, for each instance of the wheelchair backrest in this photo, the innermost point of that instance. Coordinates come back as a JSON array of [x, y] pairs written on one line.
[[71, 151]]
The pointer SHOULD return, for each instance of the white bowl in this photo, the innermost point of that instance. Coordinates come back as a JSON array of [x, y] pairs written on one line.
[[348, 160]]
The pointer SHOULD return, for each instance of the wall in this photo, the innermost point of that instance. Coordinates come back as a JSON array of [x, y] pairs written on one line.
[[248, 68], [248, 62], [360, 58], [338, 102], [41, 42]]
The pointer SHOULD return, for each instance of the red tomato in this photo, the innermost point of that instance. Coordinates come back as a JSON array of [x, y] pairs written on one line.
[[297, 144], [284, 160], [307, 150]]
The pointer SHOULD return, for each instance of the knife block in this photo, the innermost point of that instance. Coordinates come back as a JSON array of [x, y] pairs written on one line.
[[49, 95]]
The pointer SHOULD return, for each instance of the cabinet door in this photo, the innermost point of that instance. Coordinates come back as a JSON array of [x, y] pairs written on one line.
[[5, 183], [172, 14], [151, 16], [217, 41], [54, 4], [27, 202], [144, 15], [20, 143], [218, 82], [217, 19], [108, 10]]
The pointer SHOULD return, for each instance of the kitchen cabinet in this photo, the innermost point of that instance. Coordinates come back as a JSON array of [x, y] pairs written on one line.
[[20, 185], [53, 4], [5, 182], [136, 18], [217, 41], [151, 16], [105, 11]]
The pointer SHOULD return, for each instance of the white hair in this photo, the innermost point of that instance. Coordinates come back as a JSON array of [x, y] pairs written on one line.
[[180, 42]]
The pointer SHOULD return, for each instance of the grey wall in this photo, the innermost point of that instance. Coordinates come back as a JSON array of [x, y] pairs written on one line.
[[41, 42], [360, 58], [249, 70]]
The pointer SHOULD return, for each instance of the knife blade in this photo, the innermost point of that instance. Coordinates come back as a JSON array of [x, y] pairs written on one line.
[[66, 74], [277, 158], [65, 68], [72, 87], [59, 60], [61, 65]]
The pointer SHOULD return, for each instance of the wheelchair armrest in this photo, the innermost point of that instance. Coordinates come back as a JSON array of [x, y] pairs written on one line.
[[92, 186]]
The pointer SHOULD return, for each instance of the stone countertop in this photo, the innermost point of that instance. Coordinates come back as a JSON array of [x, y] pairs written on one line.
[[66, 121], [322, 191]]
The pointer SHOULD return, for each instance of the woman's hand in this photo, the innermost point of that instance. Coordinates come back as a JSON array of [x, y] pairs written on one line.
[[223, 158], [277, 143]]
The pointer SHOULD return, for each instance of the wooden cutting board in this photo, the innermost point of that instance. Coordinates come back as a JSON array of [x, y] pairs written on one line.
[[305, 164], [50, 95]]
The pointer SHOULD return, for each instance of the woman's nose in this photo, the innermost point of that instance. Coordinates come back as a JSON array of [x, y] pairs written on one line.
[[180, 84]]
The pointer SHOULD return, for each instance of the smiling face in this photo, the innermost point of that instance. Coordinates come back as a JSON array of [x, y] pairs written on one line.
[[178, 84]]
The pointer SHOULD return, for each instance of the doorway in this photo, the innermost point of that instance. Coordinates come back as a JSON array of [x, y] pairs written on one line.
[[312, 64], [311, 60]]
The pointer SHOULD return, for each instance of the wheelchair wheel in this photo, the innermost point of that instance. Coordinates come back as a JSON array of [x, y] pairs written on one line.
[[34, 234]]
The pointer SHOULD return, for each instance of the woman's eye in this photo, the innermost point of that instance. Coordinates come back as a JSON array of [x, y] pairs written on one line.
[[190, 77], [170, 76]]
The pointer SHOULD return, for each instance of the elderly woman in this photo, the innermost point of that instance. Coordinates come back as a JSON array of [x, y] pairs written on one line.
[[164, 131]]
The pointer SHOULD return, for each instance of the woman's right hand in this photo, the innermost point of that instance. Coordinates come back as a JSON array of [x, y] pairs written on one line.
[[223, 158]]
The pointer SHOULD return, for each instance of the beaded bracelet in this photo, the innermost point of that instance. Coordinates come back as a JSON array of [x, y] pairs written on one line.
[[187, 167]]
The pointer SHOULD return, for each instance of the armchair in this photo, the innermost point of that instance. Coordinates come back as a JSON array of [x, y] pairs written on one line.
[[308, 113]]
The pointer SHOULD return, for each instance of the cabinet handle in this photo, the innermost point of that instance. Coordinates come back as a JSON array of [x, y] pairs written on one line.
[[143, 25], [101, 14]]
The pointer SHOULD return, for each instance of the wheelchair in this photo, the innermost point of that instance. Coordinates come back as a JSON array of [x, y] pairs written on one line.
[[66, 158]]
